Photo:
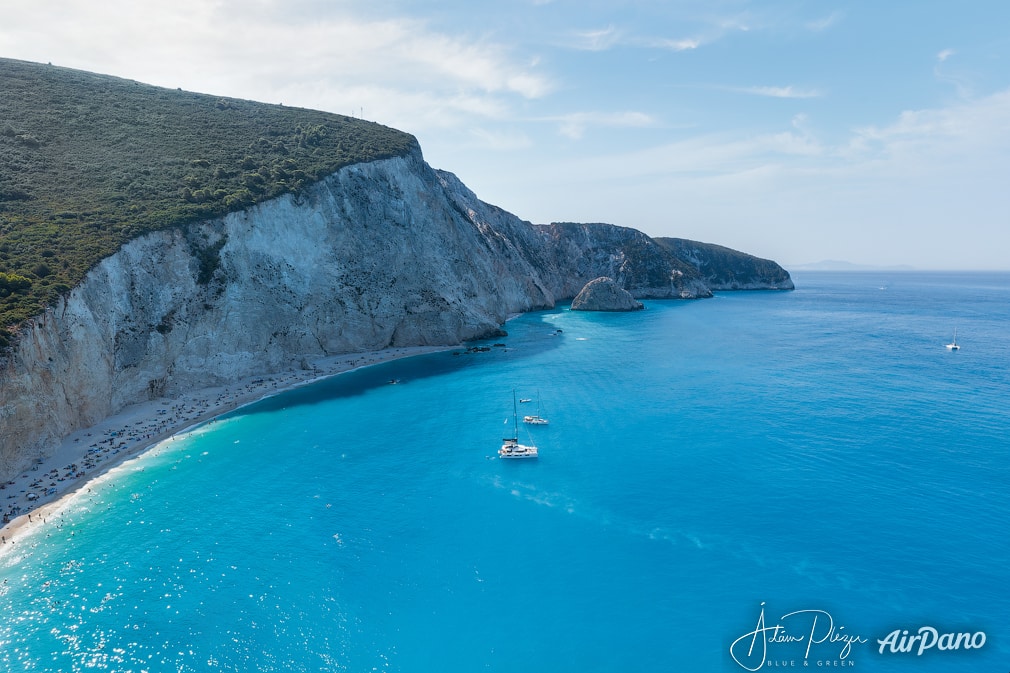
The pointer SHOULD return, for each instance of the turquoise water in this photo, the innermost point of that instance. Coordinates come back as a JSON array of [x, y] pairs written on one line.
[[811, 450]]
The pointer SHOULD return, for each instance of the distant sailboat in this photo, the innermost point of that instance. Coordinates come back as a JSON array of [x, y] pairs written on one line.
[[536, 419], [511, 448], [952, 346]]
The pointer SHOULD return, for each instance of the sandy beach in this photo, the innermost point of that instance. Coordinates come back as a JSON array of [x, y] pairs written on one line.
[[36, 493]]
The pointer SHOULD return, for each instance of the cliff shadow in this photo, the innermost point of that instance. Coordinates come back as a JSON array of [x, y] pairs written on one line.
[[531, 334]]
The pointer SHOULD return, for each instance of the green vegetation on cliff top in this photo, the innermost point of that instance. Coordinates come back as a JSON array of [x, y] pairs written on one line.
[[88, 162]]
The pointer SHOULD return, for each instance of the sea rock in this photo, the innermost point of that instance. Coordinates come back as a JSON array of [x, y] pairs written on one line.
[[604, 294]]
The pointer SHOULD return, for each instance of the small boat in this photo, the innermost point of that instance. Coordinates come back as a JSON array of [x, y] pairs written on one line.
[[524, 400], [952, 346], [511, 448], [536, 419]]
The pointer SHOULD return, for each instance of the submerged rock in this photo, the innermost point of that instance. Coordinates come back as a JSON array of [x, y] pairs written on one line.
[[604, 294]]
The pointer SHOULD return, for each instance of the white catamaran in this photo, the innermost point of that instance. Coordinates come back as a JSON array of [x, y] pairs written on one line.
[[511, 448]]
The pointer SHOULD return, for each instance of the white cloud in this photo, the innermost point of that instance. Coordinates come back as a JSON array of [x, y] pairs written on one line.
[[959, 78], [980, 121], [681, 44], [734, 24], [779, 91], [574, 125], [972, 137], [324, 59], [472, 64], [610, 37], [709, 29], [596, 40], [411, 111]]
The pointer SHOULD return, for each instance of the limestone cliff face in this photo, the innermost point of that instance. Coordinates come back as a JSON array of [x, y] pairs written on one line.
[[381, 254], [377, 255]]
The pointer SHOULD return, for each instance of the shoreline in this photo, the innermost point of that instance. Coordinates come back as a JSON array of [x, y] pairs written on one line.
[[39, 491]]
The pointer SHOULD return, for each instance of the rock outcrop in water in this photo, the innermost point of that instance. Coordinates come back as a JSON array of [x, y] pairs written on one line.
[[604, 294], [381, 254]]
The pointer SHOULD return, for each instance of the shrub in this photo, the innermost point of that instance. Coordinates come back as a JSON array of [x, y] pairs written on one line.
[[11, 283]]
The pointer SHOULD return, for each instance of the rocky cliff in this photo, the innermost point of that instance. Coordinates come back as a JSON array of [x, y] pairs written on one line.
[[635, 261], [379, 254], [725, 269], [376, 255]]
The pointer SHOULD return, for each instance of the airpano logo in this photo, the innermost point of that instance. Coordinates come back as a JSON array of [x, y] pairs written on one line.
[[903, 641], [814, 638]]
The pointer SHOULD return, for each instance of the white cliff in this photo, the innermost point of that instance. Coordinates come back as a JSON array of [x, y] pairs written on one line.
[[377, 255]]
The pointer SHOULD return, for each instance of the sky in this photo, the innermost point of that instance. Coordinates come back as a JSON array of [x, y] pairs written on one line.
[[798, 130]]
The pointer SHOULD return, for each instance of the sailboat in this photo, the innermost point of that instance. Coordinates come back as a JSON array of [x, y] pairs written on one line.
[[952, 346], [536, 419], [511, 448]]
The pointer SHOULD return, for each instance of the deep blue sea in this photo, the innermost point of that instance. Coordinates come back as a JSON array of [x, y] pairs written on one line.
[[801, 473]]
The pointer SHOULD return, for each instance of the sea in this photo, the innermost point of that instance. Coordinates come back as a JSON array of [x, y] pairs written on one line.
[[756, 481]]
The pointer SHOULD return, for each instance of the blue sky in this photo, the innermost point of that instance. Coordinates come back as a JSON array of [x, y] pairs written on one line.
[[872, 132]]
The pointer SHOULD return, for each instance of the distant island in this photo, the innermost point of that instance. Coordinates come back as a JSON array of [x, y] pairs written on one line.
[[155, 242]]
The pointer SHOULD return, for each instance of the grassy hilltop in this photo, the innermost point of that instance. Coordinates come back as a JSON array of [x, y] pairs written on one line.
[[88, 162]]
